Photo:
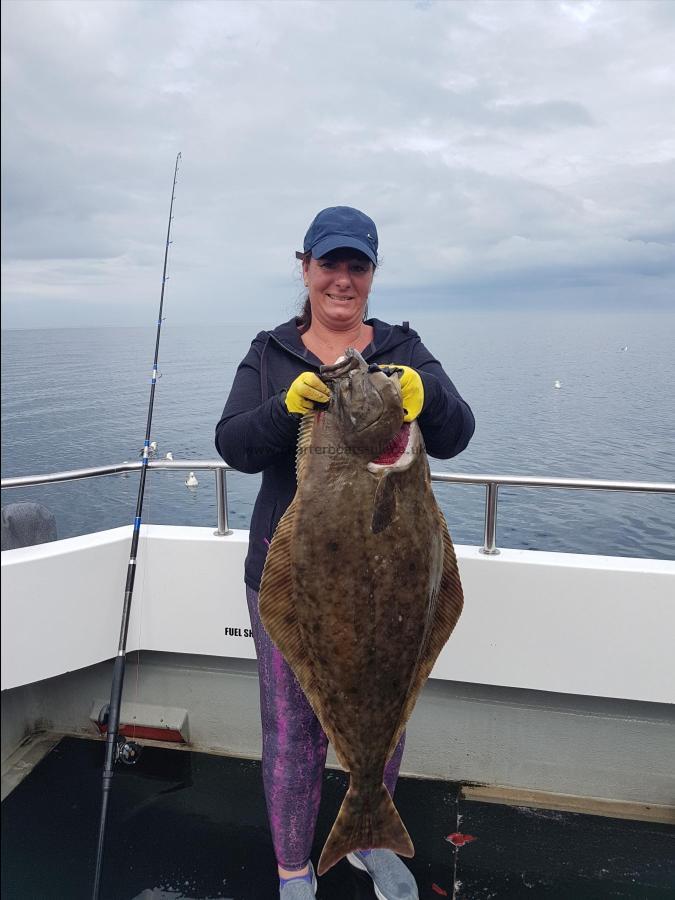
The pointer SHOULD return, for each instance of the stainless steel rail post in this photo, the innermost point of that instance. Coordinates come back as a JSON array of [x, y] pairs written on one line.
[[221, 503], [490, 537]]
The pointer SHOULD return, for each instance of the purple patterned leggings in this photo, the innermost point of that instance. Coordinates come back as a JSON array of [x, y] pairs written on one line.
[[293, 751]]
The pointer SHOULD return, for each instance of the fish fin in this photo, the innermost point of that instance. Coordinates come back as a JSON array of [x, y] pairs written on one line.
[[449, 603], [361, 827], [279, 617], [384, 503], [277, 607], [304, 441]]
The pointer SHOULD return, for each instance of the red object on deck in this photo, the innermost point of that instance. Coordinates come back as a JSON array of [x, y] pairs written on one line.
[[458, 839], [171, 735]]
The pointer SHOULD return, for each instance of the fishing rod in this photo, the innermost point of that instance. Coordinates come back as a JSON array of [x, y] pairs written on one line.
[[129, 751]]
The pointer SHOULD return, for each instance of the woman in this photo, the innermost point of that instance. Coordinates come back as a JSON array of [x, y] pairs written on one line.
[[275, 385]]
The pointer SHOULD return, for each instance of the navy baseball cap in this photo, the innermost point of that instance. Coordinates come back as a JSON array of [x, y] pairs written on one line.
[[341, 226]]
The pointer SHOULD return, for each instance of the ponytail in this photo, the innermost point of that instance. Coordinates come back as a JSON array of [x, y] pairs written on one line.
[[304, 320]]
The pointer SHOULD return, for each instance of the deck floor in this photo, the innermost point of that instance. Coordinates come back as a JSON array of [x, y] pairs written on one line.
[[192, 825]]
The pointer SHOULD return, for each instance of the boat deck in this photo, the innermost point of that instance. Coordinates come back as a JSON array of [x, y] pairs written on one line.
[[192, 825]]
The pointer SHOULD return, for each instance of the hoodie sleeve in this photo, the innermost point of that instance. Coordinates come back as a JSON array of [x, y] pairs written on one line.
[[446, 419], [251, 433]]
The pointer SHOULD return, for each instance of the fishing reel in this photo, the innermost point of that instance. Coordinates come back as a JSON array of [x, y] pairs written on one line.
[[126, 751], [129, 752]]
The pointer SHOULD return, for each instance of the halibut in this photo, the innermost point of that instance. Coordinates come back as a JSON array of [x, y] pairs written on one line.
[[360, 589]]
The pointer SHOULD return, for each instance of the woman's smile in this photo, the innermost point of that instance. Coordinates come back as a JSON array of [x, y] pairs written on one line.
[[340, 297]]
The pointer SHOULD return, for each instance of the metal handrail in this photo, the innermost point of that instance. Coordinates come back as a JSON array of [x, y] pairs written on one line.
[[95, 471], [215, 465], [492, 483]]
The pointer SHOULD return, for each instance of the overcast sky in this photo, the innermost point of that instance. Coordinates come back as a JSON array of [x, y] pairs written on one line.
[[511, 153]]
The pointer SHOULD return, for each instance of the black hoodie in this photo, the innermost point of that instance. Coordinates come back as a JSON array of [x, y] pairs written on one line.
[[256, 433]]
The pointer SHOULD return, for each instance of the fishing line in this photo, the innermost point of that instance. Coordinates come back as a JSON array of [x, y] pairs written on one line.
[[112, 747], [144, 566]]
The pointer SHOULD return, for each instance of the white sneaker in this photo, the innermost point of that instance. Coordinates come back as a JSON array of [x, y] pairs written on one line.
[[392, 879], [299, 888]]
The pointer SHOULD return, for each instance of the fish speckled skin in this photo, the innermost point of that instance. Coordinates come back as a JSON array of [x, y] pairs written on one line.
[[360, 589]]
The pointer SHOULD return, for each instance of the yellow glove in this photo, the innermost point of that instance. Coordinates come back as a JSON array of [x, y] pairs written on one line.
[[412, 390], [306, 390]]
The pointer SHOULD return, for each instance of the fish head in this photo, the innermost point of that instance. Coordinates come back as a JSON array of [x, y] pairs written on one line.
[[366, 402]]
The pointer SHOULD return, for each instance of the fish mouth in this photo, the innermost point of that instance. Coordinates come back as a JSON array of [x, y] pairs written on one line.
[[348, 362], [398, 453]]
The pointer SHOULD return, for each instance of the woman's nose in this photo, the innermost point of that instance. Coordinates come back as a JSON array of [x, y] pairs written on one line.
[[343, 275]]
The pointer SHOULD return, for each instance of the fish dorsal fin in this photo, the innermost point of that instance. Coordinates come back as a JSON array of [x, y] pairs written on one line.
[[277, 604], [304, 440], [280, 619], [448, 609]]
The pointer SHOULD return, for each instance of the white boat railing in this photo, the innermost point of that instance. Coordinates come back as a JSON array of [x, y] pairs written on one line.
[[492, 483]]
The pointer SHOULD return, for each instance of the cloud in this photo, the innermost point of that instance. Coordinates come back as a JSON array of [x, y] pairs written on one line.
[[525, 145], [548, 115]]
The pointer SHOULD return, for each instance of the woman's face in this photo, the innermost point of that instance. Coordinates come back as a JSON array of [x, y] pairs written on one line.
[[339, 284]]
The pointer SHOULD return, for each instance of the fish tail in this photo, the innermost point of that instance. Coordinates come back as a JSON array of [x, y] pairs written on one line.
[[365, 823]]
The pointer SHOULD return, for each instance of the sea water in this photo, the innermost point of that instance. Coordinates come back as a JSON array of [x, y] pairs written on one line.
[[77, 397]]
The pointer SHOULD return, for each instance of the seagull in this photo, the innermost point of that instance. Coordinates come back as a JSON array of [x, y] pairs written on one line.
[[557, 384], [624, 348], [191, 480], [152, 449], [169, 455]]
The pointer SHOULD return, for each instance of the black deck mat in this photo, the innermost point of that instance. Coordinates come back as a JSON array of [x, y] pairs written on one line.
[[191, 825]]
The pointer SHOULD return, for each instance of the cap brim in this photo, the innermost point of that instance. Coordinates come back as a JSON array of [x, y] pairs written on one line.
[[337, 241]]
